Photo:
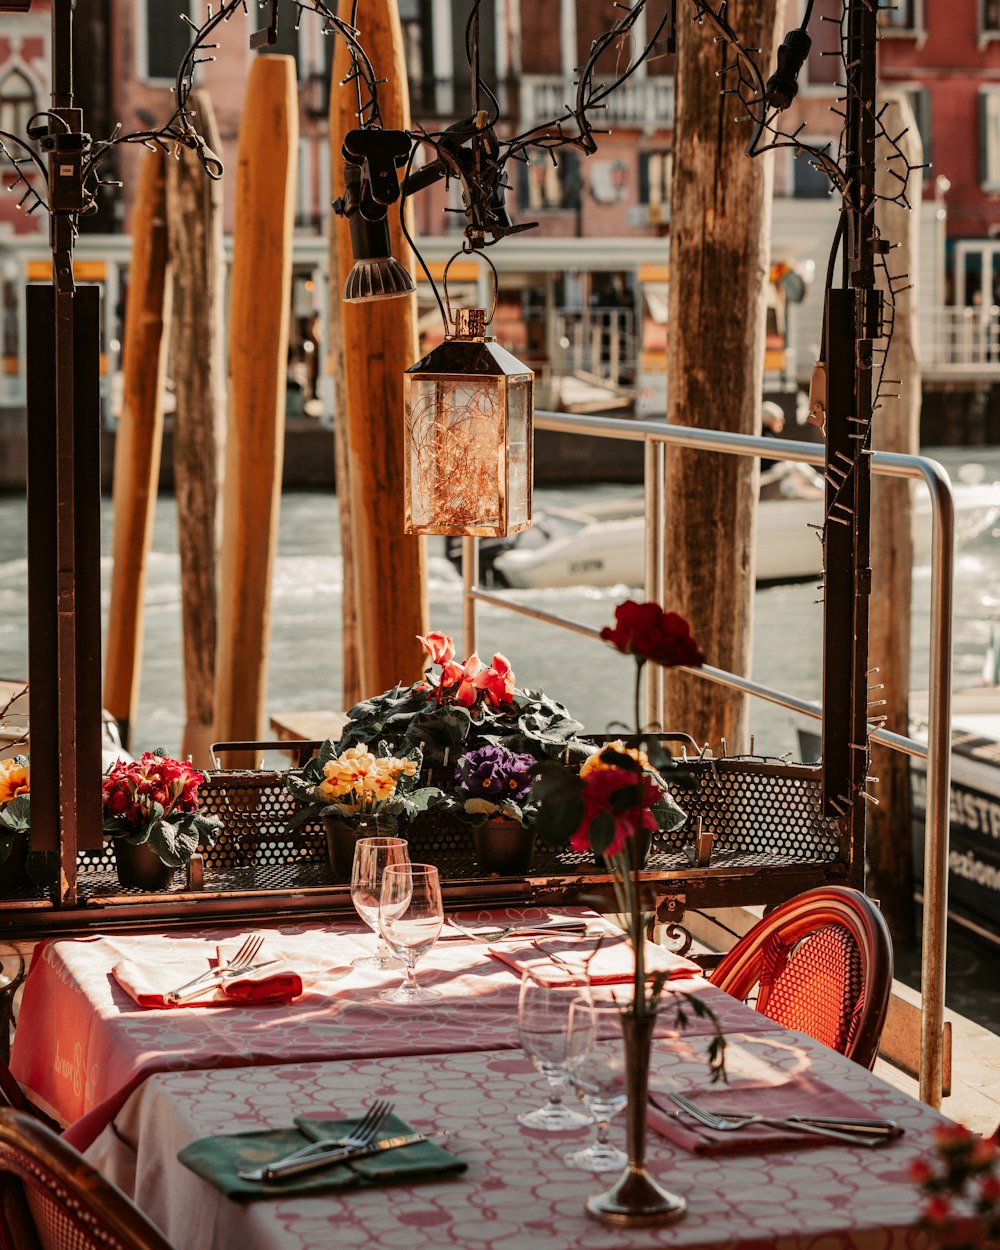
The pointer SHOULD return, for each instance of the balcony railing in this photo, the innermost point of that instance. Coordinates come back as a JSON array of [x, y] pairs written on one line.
[[644, 103], [960, 342]]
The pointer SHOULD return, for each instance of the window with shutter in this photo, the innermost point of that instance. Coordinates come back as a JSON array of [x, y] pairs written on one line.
[[18, 102], [167, 38], [989, 137], [991, 15]]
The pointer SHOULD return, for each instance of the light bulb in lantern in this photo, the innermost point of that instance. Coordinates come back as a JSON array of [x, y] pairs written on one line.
[[468, 456]]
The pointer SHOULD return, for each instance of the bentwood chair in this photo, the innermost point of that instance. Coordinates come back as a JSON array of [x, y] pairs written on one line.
[[820, 963], [51, 1199]]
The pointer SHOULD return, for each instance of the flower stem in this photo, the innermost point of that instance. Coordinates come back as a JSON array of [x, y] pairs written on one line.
[[639, 662]]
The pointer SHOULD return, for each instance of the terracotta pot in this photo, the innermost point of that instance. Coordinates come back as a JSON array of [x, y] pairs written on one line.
[[140, 868], [504, 847], [14, 877], [341, 837]]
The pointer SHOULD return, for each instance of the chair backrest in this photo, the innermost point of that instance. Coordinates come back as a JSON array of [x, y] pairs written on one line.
[[822, 964], [52, 1199]]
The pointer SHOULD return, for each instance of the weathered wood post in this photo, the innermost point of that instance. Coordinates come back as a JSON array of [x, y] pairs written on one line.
[[138, 440], [720, 227], [896, 428], [260, 296], [194, 216], [379, 340]]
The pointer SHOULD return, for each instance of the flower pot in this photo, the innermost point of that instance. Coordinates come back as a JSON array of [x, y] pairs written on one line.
[[341, 837], [14, 877], [636, 1199], [140, 868], [504, 847]]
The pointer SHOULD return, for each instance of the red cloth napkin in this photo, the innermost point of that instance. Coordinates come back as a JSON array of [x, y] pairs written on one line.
[[801, 1095], [555, 959], [277, 983]]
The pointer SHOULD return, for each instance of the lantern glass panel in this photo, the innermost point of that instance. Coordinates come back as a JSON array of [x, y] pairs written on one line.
[[454, 435], [519, 413]]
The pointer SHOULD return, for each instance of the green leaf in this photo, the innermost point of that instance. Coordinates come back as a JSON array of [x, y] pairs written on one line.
[[324, 755], [481, 807], [7, 839], [601, 832], [626, 799], [16, 816], [303, 815], [174, 843]]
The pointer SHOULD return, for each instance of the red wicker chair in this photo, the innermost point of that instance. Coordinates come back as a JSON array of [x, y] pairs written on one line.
[[51, 1199], [822, 964]]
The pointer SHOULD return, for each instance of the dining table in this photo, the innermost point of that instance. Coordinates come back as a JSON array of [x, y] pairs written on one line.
[[135, 1086]]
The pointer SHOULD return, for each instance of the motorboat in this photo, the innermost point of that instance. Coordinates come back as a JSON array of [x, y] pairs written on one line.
[[603, 545]]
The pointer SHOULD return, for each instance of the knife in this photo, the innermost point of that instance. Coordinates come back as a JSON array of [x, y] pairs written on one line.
[[852, 1124], [499, 933], [334, 1154]]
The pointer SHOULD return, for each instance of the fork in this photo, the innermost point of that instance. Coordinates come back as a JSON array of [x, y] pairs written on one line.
[[360, 1137], [731, 1123], [242, 960]]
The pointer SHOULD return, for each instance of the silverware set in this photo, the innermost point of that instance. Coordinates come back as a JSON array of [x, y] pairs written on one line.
[[498, 933], [858, 1132], [360, 1143], [241, 962]]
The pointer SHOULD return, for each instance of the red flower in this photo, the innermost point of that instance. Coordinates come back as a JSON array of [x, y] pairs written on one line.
[[599, 789], [989, 1191], [497, 681], [938, 1210], [920, 1171], [438, 646], [646, 631]]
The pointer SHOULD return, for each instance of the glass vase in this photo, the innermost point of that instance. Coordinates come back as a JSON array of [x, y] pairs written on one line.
[[635, 1199]]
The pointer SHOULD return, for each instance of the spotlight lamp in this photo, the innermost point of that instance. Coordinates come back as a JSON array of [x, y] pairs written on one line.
[[371, 185], [468, 435]]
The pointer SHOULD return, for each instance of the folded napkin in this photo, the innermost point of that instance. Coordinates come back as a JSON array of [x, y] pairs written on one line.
[[800, 1095], [219, 1160], [602, 961], [149, 986]]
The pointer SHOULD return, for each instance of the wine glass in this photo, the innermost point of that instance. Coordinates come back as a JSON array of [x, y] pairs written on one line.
[[410, 917], [596, 1065], [371, 857], [543, 1027]]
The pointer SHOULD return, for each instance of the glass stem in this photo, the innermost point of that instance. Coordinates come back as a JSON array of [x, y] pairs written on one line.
[[409, 976], [381, 947], [603, 1131], [557, 1085]]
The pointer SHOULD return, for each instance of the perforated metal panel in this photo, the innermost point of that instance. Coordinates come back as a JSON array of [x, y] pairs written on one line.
[[763, 815]]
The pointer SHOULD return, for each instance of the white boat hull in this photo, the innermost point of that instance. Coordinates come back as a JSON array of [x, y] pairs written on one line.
[[606, 547]]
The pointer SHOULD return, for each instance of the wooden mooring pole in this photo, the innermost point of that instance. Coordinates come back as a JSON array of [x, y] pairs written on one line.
[[260, 285], [138, 439], [379, 340]]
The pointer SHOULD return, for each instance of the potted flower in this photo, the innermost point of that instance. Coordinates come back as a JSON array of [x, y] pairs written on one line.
[[15, 821], [151, 815], [458, 706], [664, 814], [357, 793], [491, 788]]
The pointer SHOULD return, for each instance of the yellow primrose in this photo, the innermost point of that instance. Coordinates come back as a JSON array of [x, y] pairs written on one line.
[[594, 762]]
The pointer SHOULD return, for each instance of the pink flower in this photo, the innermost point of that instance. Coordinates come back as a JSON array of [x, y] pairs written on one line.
[[462, 676], [599, 789], [438, 646], [497, 681]]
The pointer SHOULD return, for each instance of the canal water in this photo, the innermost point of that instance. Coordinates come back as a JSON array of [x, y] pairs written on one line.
[[594, 682]]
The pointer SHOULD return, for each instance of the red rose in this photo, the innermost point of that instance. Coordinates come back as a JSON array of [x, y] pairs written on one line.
[[646, 631]]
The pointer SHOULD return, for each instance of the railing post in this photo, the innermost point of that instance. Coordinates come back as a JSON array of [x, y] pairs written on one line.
[[655, 475]]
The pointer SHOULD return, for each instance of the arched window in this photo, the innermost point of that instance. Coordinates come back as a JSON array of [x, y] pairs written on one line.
[[18, 102]]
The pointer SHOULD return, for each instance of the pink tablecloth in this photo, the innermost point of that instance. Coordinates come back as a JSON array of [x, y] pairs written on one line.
[[517, 1193], [82, 1045]]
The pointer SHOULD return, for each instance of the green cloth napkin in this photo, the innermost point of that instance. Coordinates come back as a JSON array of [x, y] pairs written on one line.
[[219, 1160]]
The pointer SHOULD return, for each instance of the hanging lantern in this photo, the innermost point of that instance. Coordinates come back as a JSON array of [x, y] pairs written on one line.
[[468, 454]]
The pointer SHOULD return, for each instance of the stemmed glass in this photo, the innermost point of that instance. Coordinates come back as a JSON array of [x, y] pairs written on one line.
[[596, 1066], [543, 1027], [410, 917], [371, 857]]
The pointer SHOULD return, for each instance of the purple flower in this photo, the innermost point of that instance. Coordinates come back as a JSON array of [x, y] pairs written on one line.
[[496, 774]]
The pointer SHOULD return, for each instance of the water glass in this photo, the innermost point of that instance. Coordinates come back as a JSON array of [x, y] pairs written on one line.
[[410, 917], [371, 858], [596, 1066], [543, 1013]]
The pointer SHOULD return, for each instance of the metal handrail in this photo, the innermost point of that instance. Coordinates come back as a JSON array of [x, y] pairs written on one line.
[[657, 435]]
